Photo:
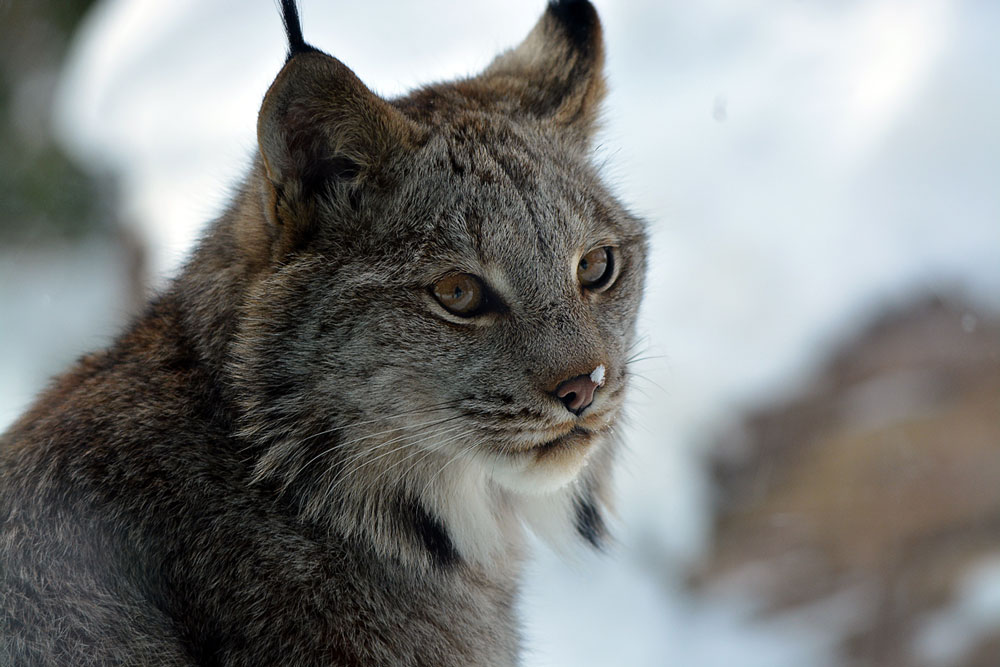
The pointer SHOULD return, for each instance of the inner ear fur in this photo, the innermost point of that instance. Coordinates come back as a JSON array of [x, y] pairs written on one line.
[[557, 72], [320, 127]]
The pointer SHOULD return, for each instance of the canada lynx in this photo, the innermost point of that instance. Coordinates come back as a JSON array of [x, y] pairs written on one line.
[[405, 339]]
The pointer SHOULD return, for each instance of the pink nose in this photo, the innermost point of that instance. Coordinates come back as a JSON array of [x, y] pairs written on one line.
[[577, 393]]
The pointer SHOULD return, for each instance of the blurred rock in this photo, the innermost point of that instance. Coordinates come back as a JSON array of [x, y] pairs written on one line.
[[881, 480], [44, 197]]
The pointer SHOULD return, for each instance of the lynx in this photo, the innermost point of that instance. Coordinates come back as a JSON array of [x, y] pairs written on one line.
[[404, 343]]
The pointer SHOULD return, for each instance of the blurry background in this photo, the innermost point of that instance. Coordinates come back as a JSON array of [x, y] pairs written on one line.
[[814, 467]]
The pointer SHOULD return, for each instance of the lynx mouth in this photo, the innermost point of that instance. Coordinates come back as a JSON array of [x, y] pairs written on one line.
[[546, 465], [576, 437]]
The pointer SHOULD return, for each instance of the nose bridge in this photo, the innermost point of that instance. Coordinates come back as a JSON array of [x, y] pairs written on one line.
[[565, 344]]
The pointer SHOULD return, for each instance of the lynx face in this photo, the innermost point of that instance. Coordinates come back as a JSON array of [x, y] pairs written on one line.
[[447, 293]]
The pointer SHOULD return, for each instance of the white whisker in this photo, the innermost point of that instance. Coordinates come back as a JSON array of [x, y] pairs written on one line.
[[384, 472], [435, 408], [409, 413], [341, 445], [348, 472], [459, 453]]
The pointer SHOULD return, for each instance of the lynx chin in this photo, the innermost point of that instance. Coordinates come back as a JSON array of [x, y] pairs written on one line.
[[403, 344]]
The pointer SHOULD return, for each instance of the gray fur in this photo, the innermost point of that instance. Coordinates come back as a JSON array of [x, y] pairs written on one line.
[[297, 456]]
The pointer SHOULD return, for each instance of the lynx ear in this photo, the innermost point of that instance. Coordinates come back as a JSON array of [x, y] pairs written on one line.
[[556, 73], [321, 130]]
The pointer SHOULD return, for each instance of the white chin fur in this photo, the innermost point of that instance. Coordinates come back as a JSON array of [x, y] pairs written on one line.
[[484, 518], [528, 475]]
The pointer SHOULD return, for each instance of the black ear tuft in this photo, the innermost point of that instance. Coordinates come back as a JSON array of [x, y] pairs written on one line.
[[589, 522], [293, 29], [578, 18]]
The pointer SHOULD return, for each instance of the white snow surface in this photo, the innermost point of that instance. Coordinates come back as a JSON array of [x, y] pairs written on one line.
[[948, 635], [800, 165]]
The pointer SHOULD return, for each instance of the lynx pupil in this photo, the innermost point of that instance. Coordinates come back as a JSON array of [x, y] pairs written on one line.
[[461, 294], [593, 267]]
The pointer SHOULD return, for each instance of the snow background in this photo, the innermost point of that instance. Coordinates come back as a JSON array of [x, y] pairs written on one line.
[[802, 166]]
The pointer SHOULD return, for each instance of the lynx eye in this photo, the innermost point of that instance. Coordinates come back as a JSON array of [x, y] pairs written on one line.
[[461, 294], [595, 268]]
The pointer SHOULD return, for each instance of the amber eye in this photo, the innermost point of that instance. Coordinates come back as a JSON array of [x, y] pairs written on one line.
[[594, 269], [461, 293]]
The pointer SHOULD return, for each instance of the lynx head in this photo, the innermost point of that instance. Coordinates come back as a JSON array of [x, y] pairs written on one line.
[[442, 297]]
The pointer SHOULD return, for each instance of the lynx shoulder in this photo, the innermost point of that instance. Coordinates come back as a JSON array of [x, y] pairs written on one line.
[[404, 342]]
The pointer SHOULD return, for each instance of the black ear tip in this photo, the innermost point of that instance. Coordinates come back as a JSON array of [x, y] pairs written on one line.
[[578, 18]]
